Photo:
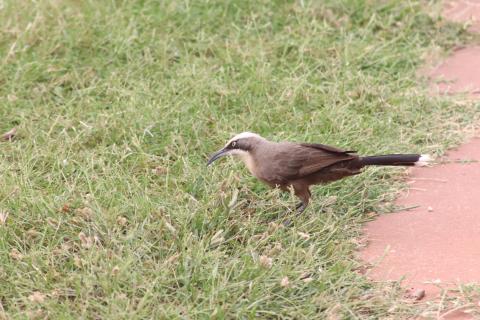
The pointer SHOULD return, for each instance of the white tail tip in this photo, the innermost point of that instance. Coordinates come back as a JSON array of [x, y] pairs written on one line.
[[423, 161]]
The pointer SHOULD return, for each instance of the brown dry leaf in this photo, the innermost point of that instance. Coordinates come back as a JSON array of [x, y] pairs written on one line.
[[86, 213], [285, 282], [66, 208], [275, 250], [367, 296], [37, 297], [66, 247], [15, 254], [78, 262], [86, 242], [363, 269], [56, 293], [334, 313], [32, 233], [173, 258], [63, 293], [122, 221], [415, 294], [12, 97], [34, 314], [159, 171], [3, 217], [304, 235], [372, 214], [329, 211], [419, 294], [115, 270], [307, 280], [52, 222], [265, 262], [170, 227], [330, 201], [258, 237], [9, 135], [359, 242], [122, 296], [57, 251]]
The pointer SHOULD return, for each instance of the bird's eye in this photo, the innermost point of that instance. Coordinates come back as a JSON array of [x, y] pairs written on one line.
[[234, 144]]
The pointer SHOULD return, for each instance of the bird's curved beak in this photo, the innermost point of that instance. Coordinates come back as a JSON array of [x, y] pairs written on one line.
[[217, 155]]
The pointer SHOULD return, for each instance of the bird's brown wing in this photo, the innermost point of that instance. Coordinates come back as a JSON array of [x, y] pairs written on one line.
[[326, 148], [300, 160]]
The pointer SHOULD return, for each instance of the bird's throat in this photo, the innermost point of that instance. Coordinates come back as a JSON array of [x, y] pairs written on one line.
[[249, 162]]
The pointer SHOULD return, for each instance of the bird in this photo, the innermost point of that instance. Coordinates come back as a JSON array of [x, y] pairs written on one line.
[[286, 165]]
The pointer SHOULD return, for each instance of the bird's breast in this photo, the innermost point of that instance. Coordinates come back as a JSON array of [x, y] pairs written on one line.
[[249, 163]]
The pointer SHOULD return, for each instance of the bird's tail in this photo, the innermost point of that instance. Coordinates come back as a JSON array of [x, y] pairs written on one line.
[[396, 160]]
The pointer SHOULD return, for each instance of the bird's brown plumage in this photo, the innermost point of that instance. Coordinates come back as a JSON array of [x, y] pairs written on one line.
[[300, 165], [288, 164]]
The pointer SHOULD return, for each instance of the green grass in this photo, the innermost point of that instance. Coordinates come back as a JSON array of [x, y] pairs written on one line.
[[118, 104]]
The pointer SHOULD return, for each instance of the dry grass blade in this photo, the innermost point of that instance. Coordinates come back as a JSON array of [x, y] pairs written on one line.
[[9, 135], [3, 217]]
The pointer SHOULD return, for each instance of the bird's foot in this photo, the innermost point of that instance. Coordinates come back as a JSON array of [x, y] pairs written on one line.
[[287, 223], [300, 207]]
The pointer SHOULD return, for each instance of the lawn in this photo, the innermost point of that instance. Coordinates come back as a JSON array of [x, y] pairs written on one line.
[[111, 212]]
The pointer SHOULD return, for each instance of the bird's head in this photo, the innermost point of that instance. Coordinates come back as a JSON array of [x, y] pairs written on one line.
[[240, 145]]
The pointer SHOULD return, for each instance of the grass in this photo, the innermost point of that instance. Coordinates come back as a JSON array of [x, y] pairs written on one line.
[[112, 212]]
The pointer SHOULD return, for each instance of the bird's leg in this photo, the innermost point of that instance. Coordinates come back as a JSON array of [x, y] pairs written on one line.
[[304, 194], [301, 207]]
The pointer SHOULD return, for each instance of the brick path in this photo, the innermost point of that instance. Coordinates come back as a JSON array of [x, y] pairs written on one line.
[[439, 239]]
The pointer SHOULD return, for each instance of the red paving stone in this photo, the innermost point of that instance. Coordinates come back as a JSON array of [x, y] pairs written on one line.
[[463, 11], [457, 315], [439, 239], [460, 73]]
